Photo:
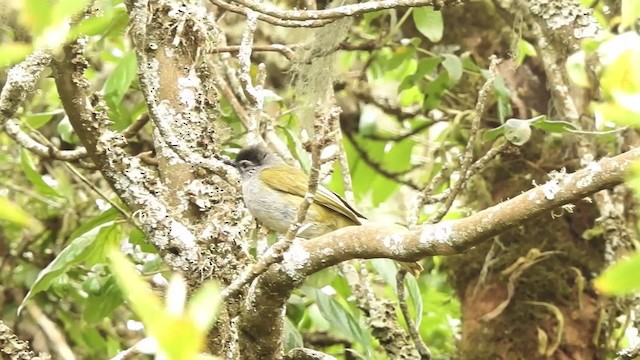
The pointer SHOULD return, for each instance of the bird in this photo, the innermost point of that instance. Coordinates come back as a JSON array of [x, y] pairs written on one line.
[[272, 191]]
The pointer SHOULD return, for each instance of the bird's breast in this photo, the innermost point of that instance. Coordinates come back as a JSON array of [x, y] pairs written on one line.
[[278, 210]]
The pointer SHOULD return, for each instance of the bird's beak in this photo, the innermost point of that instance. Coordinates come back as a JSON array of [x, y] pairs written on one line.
[[229, 162]]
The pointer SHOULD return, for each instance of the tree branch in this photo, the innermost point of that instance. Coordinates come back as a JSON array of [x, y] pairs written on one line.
[[454, 237], [337, 12]]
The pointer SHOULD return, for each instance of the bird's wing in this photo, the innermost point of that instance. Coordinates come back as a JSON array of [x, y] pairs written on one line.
[[293, 181]]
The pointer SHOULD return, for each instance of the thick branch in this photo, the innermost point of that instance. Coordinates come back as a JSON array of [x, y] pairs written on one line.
[[454, 237]]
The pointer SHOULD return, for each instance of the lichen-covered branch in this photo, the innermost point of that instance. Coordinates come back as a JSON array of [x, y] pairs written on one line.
[[318, 18], [12, 348], [21, 81]]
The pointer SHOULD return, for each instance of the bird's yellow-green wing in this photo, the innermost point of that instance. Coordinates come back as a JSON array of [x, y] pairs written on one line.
[[293, 181]]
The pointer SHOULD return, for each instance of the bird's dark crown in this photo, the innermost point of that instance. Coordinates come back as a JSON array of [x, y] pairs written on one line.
[[255, 154]]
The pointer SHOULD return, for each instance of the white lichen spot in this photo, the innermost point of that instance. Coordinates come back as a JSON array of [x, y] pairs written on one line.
[[181, 234], [584, 182], [188, 88], [440, 232], [393, 242], [327, 252], [594, 167], [152, 75], [550, 189], [295, 259]]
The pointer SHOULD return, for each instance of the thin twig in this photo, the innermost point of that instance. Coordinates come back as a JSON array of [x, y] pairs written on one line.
[[285, 50], [422, 348], [468, 152], [12, 128], [473, 170], [244, 57], [100, 193], [322, 17], [134, 128], [53, 333], [377, 167]]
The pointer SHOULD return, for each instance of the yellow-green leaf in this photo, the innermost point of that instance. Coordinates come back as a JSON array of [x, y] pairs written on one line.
[[621, 278], [13, 53], [143, 301], [10, 211], [429, 22]]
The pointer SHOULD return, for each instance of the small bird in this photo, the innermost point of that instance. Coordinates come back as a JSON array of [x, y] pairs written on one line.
[[273, 191]]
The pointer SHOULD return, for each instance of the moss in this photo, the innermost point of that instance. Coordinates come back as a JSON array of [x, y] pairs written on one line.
[[552, 280]]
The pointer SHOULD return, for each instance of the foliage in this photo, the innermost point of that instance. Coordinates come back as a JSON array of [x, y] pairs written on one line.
[[619, 79], [61, 235]]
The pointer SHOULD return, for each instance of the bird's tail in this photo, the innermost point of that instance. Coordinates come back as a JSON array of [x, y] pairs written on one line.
[[413, 268]]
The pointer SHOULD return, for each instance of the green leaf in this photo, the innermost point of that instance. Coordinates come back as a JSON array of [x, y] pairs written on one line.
[[396, 159], [361, 173], [621, 278], [503, 96], [102, 303], [387, 270], [554, 126], [429, 22], [13, 53], [34, 176], [416, 298], [341, 318], [400, 55], [425, 67], [137, 237], [143, 301], [524, 49], [117, 85], [36, 120], [493, 134], [113, 19], [64, 10], [453, 64], [78, 250], [292, 337], [434, 90], [10, 211], [576, 70], [66, 132], [104, 217], [36, 15], [108, 238]]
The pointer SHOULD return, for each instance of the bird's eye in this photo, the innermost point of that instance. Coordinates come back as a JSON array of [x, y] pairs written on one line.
[[245, 164]]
